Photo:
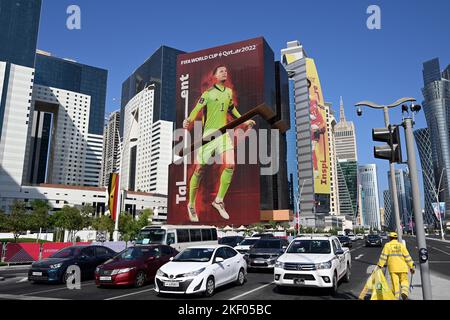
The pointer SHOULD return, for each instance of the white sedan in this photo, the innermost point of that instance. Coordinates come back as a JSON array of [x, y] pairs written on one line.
[[201, 269]]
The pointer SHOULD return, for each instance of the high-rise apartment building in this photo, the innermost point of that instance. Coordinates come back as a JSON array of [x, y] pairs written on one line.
[[436, 104], [111, 147], [370, 197]]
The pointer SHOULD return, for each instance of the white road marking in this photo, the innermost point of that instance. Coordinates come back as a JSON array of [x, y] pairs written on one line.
[[22, 297], [441, 251], [131, 294], [356, 249], [59, 289], [24, 279], [251, 291], [370, 269], [359, 257]]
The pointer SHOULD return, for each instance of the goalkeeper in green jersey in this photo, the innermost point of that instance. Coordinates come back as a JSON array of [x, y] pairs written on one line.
[[216, 103]]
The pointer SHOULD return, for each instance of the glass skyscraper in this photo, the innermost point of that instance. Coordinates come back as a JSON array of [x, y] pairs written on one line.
[[436, 105], [370, 201], [72, 76], [159, 70], [404, 193]]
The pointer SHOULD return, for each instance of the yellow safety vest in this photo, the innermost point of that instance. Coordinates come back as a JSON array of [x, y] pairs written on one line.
[[397, 258]]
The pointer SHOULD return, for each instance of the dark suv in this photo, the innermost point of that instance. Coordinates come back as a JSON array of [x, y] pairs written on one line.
[[374, 240], [265, 252]]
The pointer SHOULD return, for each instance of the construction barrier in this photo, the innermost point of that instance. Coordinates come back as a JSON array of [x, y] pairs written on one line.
[[22, 252], [115, 246], [51, 248]]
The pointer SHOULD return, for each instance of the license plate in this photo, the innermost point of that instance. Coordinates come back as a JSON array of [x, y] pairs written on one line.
[[105, 278], [172, 284], [37, 274], [259, 262], [299, 281]]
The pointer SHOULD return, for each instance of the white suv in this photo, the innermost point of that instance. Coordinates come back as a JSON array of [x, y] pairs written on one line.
[[313, 262]]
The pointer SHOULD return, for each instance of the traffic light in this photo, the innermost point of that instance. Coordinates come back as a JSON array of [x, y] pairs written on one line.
[[393, 150]]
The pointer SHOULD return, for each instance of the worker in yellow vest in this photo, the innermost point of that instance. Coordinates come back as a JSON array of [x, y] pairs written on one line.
[[399, 262]]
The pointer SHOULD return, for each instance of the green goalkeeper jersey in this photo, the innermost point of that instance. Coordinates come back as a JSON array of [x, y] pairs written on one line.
[[217, 103]]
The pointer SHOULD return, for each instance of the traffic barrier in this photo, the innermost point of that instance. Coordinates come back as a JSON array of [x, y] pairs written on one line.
[[51, 248], [117, 246], [22, 252]]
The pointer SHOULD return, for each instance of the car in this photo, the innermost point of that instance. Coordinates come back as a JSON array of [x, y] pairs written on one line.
[[313, 261], [265, 253], [54, 268], [384, 236], [374, 240], [263, 235], [345, 241], [134, 266], [201, 270], [231, 241], [352, 237], [360, 236], [245, 245]]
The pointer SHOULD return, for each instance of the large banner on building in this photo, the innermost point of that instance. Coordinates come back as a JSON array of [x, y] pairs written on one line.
[[214, 87], [319, 132]]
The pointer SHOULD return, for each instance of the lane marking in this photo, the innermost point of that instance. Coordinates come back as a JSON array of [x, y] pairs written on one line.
[[58, 289], [24, 279], [131, 294], [370, 269], [441, 251], [359, 257], [22, 297], [250, 292]]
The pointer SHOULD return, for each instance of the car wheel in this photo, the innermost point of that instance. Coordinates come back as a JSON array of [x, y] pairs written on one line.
[[210, 287], [241, 278], [140, 279], [334, 289], [348, 274], [64, 277]]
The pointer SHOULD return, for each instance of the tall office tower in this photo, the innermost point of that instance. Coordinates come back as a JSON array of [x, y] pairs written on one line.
[[370, 198], [345, 137], [111, 147], [292, 164], [147, 146], [313, 157], [436, 104], [429, 183], [158, 70], [66, 90], [334, 185], [347, 182], [19, 23], [389, 217], [404, 193]]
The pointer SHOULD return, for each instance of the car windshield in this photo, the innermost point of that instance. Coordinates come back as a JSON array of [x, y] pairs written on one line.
[[373, 237], [267, 244], [151, 236], [248, 242], [137, 253], [195, 255], [66, 253], [344, 239], [310, 246], [228, 240]]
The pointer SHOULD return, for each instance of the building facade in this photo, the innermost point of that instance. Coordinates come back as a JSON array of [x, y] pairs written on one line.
[[404, 192], [423, 142], [436, 104], [111, 147], [389, 216], [160, 71], [370, 197]]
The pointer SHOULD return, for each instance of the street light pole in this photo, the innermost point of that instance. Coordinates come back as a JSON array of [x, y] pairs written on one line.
[[298, 205]]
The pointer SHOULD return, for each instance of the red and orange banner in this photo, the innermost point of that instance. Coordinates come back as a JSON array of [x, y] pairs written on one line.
[[113, 192]]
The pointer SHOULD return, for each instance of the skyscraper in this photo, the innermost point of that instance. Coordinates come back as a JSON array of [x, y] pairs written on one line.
[[370, 197], [429, 183], [404, 193], [436, 104], [389, 217], [158, 70], [345, 137], [111, 147], [19, 21]]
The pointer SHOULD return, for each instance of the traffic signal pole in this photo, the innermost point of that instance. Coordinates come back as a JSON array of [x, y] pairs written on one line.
[[394, 185], [420, 230]]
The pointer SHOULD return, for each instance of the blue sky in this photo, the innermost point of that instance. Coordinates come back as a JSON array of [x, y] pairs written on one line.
[[353, 61]]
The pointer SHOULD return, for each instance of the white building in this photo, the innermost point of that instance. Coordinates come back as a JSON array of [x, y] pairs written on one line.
[[111, 147], [345, 137], [370, 197], [147, 146], [334, 190], [16, 86], [93, 162]]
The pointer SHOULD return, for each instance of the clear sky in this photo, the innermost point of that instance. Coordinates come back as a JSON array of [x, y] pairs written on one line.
[[353, 61]]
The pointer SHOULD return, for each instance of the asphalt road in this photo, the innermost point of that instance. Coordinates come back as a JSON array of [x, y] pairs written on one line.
[[258, 287]]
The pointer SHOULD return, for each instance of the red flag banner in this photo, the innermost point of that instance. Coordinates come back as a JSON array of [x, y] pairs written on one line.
[[113, 192]]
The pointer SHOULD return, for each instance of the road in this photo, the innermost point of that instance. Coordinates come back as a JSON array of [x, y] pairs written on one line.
[[258, 287]]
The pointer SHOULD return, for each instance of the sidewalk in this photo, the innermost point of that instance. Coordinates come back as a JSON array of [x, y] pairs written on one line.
[[440, 287]]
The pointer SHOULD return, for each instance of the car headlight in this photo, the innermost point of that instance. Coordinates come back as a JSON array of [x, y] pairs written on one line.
[[324, 265], [56, 266], [279, 264], [119, 271], [193, 273], [97, 270], [159, 273]]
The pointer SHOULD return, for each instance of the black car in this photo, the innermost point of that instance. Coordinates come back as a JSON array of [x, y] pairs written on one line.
[[53, 269], [263, 235], [265, 252], [374, 240], [345, 241], [231, 241]]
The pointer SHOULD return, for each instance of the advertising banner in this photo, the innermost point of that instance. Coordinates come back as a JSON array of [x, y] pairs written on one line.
[[51, 248], [319, 131], [214, 87], [22, 252], [439, 210]]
